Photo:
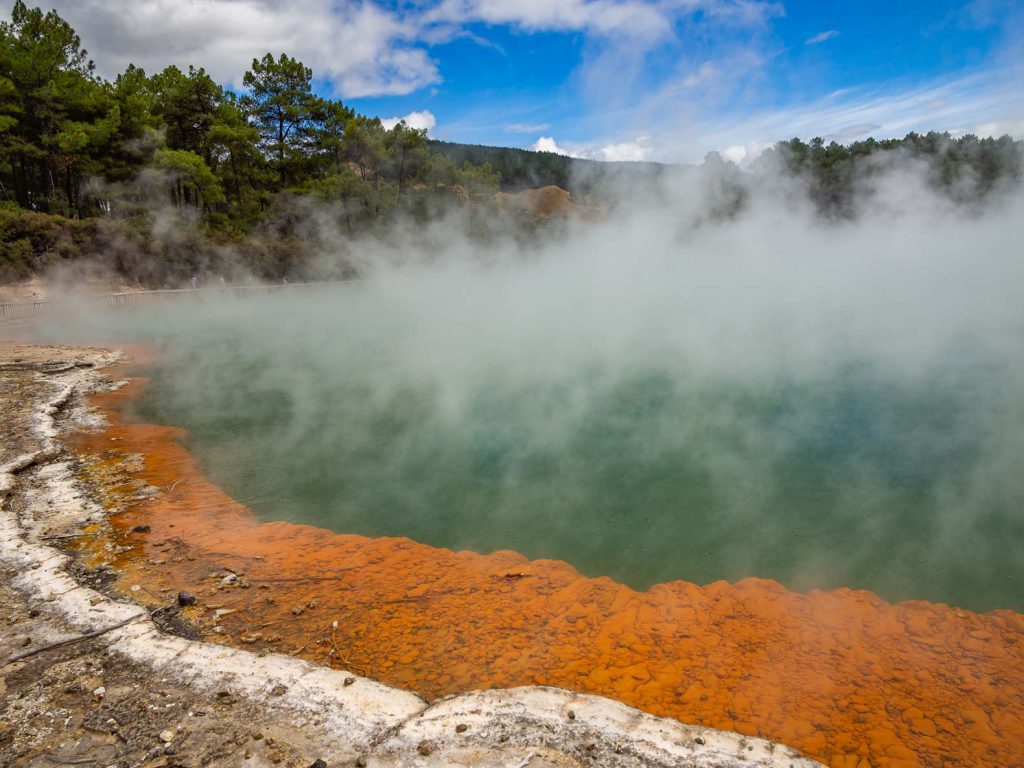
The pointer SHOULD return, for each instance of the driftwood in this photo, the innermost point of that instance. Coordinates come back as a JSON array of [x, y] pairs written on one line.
[[71, 640]]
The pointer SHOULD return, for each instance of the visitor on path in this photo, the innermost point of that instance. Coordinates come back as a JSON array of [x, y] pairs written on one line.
[[194, 282]]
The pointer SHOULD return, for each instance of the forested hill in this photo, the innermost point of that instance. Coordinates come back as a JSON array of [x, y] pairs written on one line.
[[166, 175], [964, 167], [528, 169]]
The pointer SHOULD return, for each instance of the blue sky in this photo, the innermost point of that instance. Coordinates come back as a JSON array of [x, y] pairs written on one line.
[[613, 79]]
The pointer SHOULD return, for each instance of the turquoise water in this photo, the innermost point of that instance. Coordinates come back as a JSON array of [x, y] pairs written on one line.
[[645, 468]]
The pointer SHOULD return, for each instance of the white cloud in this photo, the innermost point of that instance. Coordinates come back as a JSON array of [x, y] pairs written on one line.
[[626, 151], [526, 127], [743, 155], [548, 144], [359, 47], [821, 37], [424, 120], [1014, 128]]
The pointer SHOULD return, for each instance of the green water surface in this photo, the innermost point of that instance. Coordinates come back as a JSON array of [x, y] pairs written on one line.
[[844, 475]]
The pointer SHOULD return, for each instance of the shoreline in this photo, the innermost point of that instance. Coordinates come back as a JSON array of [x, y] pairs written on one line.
[[737, 631], [352, 718]]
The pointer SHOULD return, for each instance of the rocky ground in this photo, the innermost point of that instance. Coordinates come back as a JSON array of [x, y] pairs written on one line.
[[89, 680], [79, 704]]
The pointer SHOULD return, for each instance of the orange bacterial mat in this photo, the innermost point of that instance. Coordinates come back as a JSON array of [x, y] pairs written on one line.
[[847, 678]]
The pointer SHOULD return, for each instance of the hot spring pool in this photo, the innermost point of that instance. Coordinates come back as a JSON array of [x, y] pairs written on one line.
[[646, 465]]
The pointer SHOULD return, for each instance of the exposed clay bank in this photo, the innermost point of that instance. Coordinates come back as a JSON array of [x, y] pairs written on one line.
[[843, 676]]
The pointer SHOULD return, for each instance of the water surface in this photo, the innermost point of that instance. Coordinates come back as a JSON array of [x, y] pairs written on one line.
[[644, 467]]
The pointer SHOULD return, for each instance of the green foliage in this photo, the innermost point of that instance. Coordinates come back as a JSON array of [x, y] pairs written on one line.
[[30, 242], [283, 107], [193, 183], [75, 145], [966, 169]]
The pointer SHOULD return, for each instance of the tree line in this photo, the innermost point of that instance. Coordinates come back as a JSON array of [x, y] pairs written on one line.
[[70, 141], [967, 169]]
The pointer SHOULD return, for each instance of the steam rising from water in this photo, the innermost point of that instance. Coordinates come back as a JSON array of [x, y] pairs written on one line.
[[662, 394]]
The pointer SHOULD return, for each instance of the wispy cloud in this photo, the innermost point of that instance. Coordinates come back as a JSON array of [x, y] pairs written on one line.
[[821, 37], [983, 102], [705, 74], [526, 127]]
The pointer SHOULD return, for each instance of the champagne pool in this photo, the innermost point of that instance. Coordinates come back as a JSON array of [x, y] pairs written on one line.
[[643, 463]]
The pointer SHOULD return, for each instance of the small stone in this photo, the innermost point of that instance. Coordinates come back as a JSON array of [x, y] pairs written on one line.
[[349, 681], [186, 598], [571, 715], [167, 736], [26, 641], [425, 748], [136, 587], [140, 529], [461, 728], [360, 762], [100, 692], [170, 749], [279, 690], [699, 740], [228, 580], [318, 763], [33, 613], [258, 736]]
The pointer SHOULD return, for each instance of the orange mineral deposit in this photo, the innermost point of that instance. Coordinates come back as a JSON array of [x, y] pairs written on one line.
[[844, 676]]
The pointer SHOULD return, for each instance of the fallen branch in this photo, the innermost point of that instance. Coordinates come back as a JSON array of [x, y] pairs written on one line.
[[70, 640]]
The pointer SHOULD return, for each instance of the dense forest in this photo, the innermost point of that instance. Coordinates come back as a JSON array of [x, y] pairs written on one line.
[[89, 165], [167, 175]]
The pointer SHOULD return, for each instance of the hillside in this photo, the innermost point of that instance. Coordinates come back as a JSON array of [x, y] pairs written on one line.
[[527, 169]]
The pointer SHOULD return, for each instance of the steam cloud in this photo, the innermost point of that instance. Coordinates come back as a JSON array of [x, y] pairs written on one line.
[[670, 391]]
